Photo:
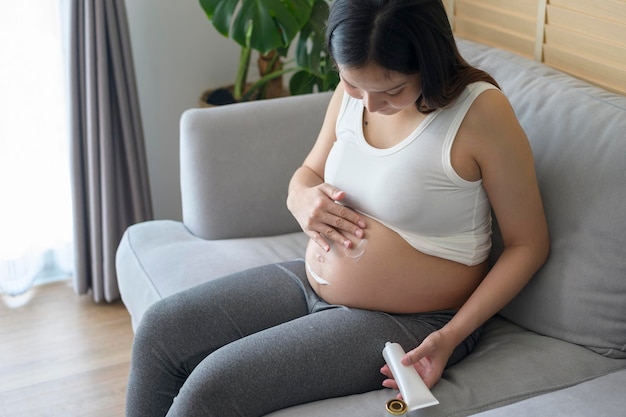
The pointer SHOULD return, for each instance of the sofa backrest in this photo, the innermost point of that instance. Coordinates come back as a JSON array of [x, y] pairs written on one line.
[[578, 137], [236, 162]]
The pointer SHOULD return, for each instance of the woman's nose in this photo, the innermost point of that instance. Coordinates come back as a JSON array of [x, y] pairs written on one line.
[[372, 102]]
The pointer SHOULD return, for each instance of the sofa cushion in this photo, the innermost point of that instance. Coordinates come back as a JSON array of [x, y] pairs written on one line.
[[578, 136], [599, 397], [509, 364], [161, 257]]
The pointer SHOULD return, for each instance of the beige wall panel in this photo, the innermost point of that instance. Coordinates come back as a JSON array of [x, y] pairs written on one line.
[[524, 7], [608, 77], [612, 10], [585, 38], [494, 36], [593, 48], [609, 31], [515, 22]]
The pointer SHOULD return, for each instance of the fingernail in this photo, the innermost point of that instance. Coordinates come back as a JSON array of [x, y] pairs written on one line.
[[361, 223]]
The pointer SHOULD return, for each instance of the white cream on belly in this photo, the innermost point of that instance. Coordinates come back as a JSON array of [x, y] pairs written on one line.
[[356, 252], [353, 254], [315, 276]]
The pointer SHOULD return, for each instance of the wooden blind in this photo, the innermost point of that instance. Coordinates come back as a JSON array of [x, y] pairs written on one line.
[[585, 38], [507, 24]]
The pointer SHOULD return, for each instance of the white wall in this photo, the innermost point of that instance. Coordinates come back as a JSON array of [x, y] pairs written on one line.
[[177, 54]]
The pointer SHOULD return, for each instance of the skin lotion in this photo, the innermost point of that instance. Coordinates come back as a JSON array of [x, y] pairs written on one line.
[[414, 391]]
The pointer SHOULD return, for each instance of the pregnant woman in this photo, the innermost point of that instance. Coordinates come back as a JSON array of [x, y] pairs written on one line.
[[416, 151]]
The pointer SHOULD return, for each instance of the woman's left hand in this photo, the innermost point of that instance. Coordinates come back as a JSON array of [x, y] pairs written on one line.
[[429, 359]]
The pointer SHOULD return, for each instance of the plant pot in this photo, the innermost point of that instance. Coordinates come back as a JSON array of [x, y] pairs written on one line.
[[274, 88], [266, 64], [217, 97], [224, 95]]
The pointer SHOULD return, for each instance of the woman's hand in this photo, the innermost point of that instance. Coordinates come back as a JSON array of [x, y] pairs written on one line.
[[429, 359], [322, 218]]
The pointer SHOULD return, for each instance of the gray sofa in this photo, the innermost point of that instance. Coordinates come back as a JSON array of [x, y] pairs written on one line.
[[559, 349]]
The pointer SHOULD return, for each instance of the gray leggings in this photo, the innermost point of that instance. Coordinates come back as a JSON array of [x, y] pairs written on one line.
[[262, 340]]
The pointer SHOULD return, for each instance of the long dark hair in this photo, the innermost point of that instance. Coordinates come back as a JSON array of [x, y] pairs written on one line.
[[406, 36]]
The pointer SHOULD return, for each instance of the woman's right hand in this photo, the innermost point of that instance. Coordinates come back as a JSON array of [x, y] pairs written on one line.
[[322, 217]]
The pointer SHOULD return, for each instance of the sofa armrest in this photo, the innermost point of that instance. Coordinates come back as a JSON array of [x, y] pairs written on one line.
[[236, 162]]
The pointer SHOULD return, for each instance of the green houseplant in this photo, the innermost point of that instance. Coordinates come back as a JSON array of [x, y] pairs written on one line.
[[270, 27]]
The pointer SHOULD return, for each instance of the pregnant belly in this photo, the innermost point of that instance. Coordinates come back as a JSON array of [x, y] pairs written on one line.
[[385, 273]]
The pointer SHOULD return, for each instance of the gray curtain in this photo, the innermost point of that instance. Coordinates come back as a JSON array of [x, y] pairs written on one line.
[[109, 171]]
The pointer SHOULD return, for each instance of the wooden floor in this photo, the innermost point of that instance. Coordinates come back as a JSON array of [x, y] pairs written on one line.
[[63, 355]]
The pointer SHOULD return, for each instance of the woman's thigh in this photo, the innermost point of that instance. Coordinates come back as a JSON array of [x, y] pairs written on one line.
[[202, 319], [180, 331], [334, 351]]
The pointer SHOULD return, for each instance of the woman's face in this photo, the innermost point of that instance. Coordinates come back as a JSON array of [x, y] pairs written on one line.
[[382, 91]]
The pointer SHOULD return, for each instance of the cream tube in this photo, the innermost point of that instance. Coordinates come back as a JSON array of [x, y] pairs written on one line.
[[414, 391]]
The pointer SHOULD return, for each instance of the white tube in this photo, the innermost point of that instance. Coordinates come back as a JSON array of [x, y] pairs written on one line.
[[414, 391]]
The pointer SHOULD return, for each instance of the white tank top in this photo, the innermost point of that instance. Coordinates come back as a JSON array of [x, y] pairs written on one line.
[[411, 187]]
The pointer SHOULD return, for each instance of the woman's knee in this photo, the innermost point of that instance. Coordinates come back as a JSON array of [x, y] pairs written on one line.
[[157, 324], [214, 388]]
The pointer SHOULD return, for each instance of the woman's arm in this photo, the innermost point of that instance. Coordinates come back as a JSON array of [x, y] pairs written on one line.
[[312, 201], [503, 155]]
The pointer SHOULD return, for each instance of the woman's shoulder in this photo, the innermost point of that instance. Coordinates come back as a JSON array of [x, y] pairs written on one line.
[[487, 106], [478, 94], [476, 89], [490, 122]]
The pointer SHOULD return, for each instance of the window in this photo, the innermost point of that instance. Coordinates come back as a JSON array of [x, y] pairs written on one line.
[[35, 202]]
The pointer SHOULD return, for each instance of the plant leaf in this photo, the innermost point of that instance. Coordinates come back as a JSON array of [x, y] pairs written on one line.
[[302, 82], [312, 36], [220, 13], [262, 25]]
